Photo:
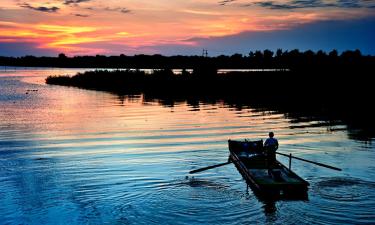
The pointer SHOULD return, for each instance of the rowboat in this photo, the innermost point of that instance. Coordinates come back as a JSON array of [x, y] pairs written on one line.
[[265, 179]]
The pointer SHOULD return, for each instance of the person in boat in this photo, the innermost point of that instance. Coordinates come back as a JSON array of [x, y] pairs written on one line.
[[270, 147]]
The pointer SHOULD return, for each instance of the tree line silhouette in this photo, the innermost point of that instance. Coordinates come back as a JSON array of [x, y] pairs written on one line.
[[293, 60], [318, 72]]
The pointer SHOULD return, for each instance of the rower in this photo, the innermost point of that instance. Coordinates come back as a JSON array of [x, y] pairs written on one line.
[[270, 147]]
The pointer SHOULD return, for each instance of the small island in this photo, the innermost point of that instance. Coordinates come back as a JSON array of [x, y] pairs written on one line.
[[313, 74]]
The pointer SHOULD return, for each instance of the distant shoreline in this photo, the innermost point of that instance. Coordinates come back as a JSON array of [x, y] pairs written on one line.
[[286, 72], [219, 71], [266, 59], [311, 83]]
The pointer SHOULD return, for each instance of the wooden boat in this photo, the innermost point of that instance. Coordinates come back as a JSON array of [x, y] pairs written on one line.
[[250, 160]]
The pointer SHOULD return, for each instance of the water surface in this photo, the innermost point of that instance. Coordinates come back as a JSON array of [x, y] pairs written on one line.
[[77, 156]]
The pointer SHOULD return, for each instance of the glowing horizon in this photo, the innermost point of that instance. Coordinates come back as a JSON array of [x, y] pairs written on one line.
[[81, 27]]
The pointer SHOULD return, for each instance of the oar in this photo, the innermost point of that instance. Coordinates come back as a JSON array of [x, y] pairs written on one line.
[[305, 160], [209, 167]]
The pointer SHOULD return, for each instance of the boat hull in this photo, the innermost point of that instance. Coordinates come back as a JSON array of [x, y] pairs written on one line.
[[269, 181]]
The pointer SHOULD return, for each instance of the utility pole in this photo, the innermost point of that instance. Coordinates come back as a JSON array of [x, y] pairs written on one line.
[[205, 53]]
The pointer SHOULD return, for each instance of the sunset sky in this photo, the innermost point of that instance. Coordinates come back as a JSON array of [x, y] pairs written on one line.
[[113, 27]]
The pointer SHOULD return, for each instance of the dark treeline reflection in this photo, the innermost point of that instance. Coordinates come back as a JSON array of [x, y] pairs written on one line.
[[358, 122]]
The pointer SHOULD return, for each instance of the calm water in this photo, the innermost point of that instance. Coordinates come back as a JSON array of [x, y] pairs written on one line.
[[71, 156]]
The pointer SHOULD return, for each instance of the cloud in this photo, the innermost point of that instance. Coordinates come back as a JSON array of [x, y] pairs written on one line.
[[40, 8], [69, 2], [80, 15], [22, 48], [124, 10], [273, 5], [118, 9], [350, 3], [4, 24], [326, 35], [225, 2], [322, 35], [300, 4], [296, 4]]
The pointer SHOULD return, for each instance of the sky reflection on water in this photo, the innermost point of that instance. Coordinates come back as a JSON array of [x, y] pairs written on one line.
[[85, 157]]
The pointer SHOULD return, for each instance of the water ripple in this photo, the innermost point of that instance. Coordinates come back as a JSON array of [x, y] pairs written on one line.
[[84, 157]]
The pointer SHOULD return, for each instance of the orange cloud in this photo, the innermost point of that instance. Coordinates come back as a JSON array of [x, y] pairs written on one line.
[[147, 23]]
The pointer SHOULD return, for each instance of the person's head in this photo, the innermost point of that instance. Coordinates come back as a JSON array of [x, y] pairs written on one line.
[[270, 134]]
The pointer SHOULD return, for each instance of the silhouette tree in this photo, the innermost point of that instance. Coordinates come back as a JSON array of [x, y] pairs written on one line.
[[62, 56], [293, 60]]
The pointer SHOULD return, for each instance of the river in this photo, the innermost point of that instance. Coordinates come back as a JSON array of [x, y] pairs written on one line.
[[73, 156]]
